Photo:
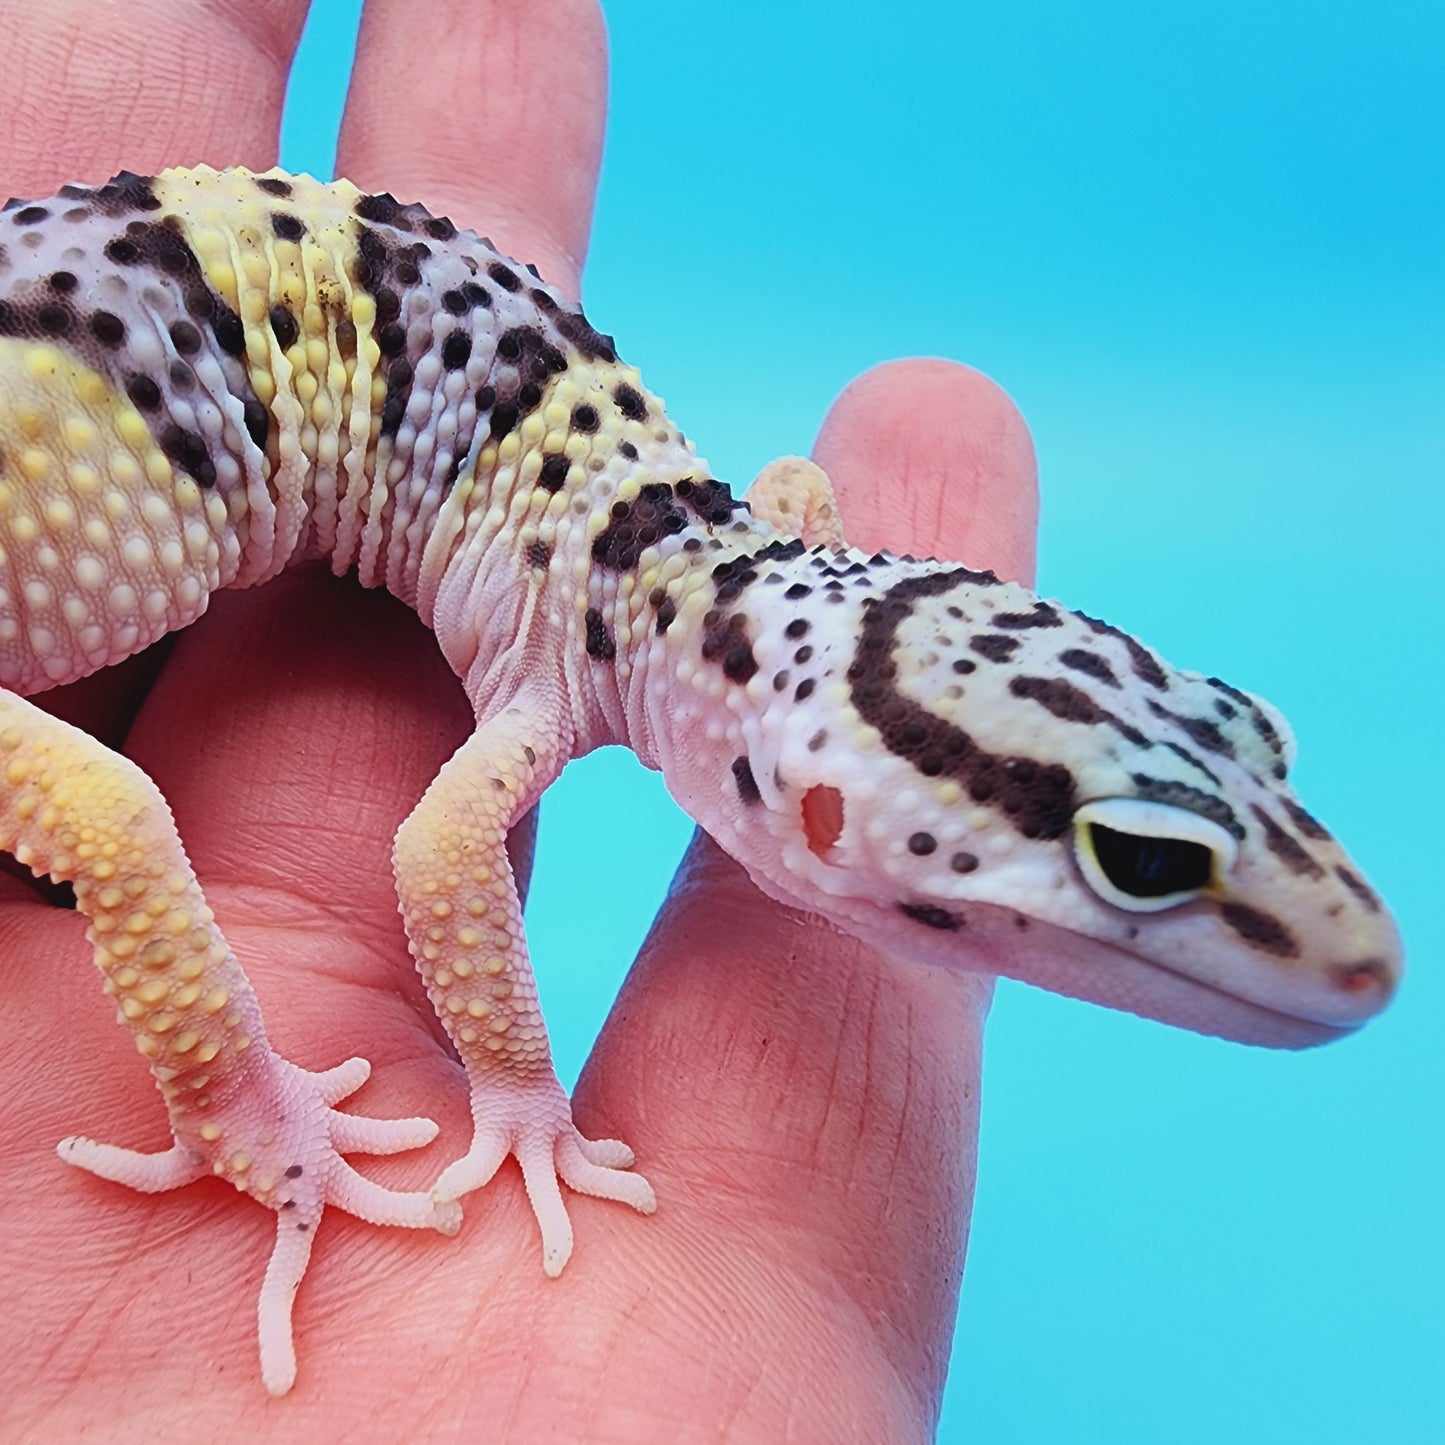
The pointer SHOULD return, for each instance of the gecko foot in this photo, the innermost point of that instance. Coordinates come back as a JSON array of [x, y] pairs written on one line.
[[534, 1122], [279, 1139]]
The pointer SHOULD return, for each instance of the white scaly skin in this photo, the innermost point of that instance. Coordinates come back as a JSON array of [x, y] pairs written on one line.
[[205, 378]]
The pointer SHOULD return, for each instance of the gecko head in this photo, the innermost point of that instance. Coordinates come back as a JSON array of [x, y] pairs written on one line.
[[981, 778]]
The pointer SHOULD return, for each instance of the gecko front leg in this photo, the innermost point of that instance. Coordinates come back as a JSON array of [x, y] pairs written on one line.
[[464, 922]]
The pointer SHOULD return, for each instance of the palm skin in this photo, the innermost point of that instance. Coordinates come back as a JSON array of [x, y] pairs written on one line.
[[805, 1108]]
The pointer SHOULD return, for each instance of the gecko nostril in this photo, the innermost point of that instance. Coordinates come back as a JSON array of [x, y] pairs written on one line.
[[1369, 973]]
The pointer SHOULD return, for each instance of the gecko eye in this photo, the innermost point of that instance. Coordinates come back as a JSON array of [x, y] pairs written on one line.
[[1146, 856]]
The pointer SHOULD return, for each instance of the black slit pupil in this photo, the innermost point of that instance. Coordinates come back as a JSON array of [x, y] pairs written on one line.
[[1150, 867]]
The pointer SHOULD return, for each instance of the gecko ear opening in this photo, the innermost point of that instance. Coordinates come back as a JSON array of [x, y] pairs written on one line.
[[822, 819]]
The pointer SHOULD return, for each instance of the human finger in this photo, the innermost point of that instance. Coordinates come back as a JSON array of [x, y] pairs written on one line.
[[502, 122]]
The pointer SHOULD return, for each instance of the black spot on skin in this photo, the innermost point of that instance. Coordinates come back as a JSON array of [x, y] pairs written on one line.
[[804, 690], [542, 301], [554, 473], [486, 397], [406, 273], [1262, 930], [455, 302], [506, 416], [797, 592], [530, 754], [274, 186], [599, 640], [1038, 797], [381, 207], [124, 192], [747, 785], [283, 325], [781, 680], [63, 282], [288, 1204], [287, 228], [188, 451], [398, 393], [302, 1227], [1286, 847], [1080, 659], [107, 328], [391, 339], [1310, 826], [931, 916], [257, 420], [504, 276], [627, 450], [388, 305], [922, 844], [440, 228], [55, 318], [295, 1172], [585, 418], [182, 377], [994, 647], [636, 525], [1203, 732], [1145, 664], [456, 350], [1181, 795], [666, 614], [803, 655], [630, 403], [145, 395], [963, 862], [1042, 616], [122, 252], [710, 500], [815, 743], [200, 303], [1358, 887], [229, 332], [185, 337], [963, 666], [798, 627], [739, 664], [591, 344], [30, 215]]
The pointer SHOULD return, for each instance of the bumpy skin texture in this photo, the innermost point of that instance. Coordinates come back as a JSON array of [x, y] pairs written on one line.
[[205, 378]]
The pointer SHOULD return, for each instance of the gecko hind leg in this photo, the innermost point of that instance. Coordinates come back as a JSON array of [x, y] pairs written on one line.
[[71, 808]]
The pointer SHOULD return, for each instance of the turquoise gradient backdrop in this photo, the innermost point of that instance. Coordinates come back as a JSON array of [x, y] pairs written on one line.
[[1201, 247]]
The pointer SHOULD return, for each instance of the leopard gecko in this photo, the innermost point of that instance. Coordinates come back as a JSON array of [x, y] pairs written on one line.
[[208, 376]]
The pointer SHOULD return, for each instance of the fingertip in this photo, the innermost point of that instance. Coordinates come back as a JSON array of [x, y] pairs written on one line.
[[503, 123], [933, 457]]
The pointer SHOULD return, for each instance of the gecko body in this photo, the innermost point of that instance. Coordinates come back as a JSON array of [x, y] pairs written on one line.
[[207, 377]]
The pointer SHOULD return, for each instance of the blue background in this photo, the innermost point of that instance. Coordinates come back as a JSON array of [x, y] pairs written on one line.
[[1201, 246]]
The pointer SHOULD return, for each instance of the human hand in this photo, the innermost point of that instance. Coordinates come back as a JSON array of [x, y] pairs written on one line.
[[805, 1108]]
